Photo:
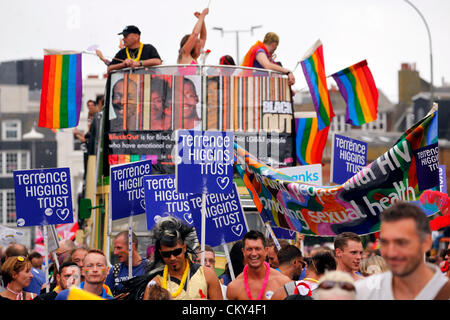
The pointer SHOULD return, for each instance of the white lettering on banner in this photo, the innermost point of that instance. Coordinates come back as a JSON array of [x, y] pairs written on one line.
[[221, 208], [206, 141], [277, 107], [163, 190], [131, 172], [387, 160], [277, 122], [350, 146], [430, 158], [394, 152], [42, 178], [49, 188]]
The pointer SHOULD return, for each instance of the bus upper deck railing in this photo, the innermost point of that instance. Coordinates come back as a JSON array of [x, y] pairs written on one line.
[[204, 70]]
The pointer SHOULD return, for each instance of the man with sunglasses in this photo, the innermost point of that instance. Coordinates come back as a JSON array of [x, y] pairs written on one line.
[[405, 237], [176, 273], [335, 285], [135, 54]]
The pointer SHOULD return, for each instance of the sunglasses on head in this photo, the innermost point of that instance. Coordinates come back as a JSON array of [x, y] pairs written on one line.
[[342, 284], [168, 254]]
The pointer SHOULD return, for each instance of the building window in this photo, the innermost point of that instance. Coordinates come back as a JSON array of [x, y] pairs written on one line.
[[10, 207], [7, 207], [11, 130], [13, 160]]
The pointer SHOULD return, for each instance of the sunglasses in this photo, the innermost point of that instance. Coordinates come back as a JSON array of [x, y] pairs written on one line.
[[326, 285], [168, 254]]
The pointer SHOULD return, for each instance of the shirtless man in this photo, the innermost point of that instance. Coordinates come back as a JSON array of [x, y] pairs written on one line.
[[348, 248], [258, 281]]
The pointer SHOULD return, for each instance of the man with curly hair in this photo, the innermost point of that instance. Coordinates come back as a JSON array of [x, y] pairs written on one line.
[[174, 270]]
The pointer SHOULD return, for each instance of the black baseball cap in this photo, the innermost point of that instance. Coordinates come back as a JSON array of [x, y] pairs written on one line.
[[130, 29]]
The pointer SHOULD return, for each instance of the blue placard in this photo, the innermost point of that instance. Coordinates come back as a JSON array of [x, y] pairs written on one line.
[[162, 200], [442, 179], [286, 234], [43, 197], [349, 157], [225, 221], [204, 162], [127, 191], [427, 166]]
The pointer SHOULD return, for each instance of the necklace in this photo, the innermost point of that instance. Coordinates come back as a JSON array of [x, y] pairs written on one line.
[[183, 279], [19, 295], [266, 280], [138, 55], [311, 279]]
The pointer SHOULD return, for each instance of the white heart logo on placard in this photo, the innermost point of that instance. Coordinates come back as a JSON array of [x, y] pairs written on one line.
[[237, 229], [188, 217], [223, 182], [143, 203], [62, 213]]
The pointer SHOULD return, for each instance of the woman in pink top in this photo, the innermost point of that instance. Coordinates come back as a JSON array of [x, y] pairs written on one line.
[[191, 45]]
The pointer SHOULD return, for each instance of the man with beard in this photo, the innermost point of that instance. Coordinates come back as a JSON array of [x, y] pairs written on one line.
[[290, 261], [173, 269], [258, 281], [348, 248], [69, 275], [405, 237]]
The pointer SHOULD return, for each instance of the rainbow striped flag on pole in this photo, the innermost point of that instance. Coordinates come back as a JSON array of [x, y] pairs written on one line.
[[310, 142], [314, 70], [359, 91], [61, 89]]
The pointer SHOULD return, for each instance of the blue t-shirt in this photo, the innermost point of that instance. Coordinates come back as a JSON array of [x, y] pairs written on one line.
[[115, 284], [37, 281], [64, 294], [256, 64]]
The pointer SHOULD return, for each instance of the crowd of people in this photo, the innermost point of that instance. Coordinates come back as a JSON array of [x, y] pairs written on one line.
[[259, 269]]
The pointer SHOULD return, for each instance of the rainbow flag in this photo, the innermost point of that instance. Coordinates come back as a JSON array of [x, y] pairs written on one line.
[[314, 69], [358, 88], [310, 142], [61, 90]]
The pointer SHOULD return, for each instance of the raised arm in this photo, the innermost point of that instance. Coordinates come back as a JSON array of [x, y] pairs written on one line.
[[198, 30]]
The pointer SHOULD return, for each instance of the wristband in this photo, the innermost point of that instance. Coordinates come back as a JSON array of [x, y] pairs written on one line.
[[287, 73], [140, 62]]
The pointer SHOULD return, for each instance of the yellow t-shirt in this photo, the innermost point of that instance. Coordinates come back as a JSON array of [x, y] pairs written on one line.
[[195, 286]]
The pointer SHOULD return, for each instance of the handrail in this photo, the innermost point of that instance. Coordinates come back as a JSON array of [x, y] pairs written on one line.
[[258, 71]]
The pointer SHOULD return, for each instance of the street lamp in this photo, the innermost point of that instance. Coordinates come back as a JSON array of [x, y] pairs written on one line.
[[222, 31], [431, 52], [33, 136]]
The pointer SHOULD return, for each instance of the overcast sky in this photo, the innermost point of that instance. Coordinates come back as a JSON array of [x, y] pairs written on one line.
[[384, 32]]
